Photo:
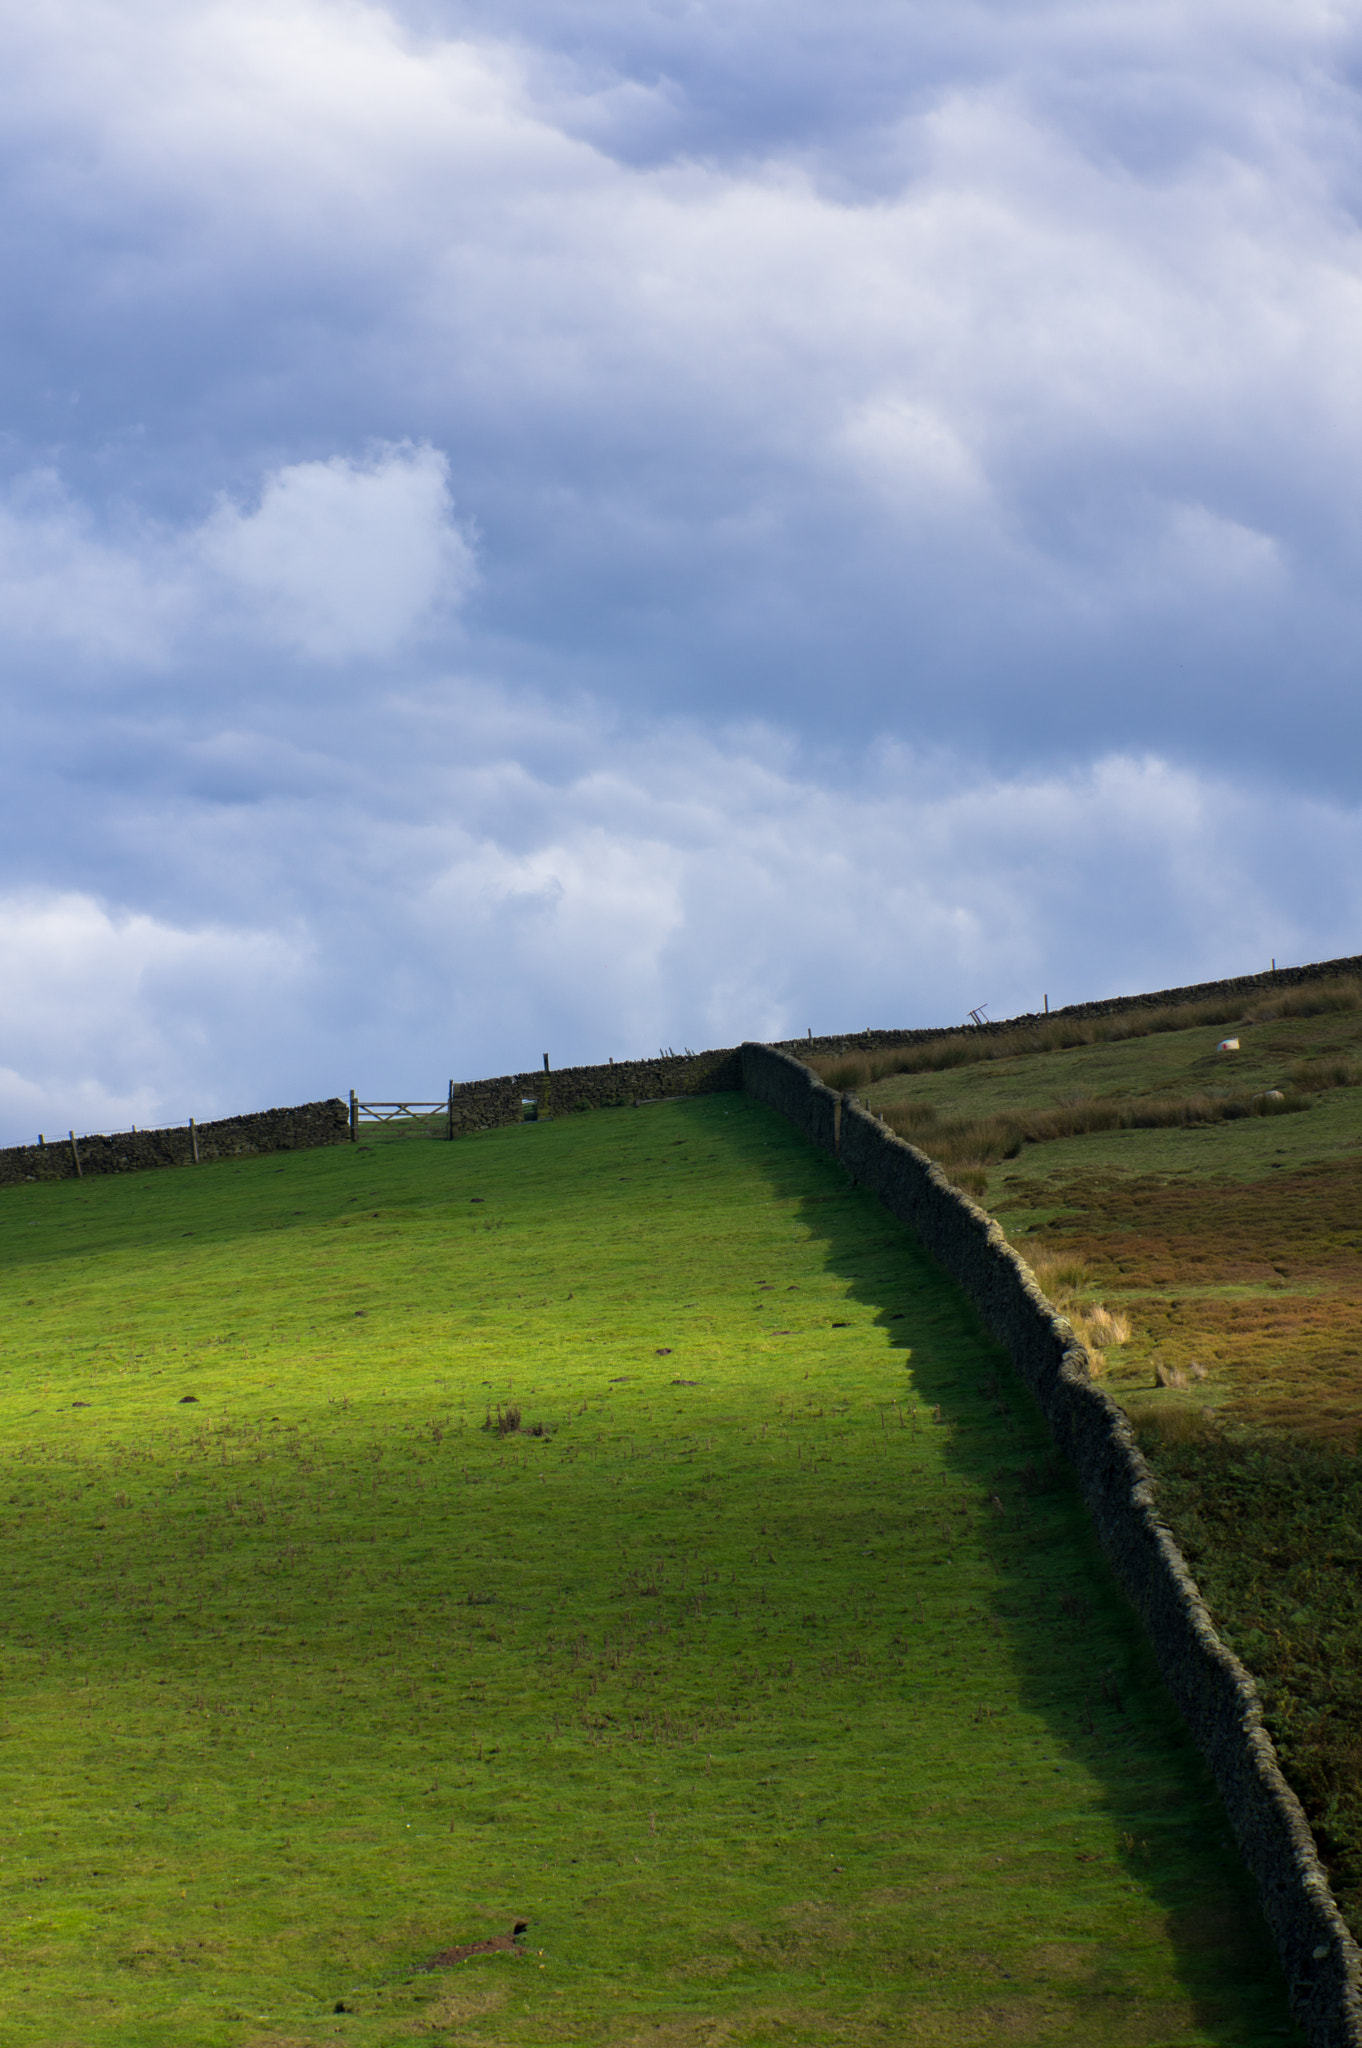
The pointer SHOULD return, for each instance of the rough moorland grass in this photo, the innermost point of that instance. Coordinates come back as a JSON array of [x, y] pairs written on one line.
[[858, 1070], [776, 1683], [1291, 1595], [974, 1142], [1223, 1259]]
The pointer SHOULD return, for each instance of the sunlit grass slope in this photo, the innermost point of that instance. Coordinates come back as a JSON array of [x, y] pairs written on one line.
[[776, 1683], [1224, 1251]]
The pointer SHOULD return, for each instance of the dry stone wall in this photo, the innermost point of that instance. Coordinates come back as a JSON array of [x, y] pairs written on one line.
[[1213, 1691], [487, 1105], [1247, 986], [232, 1137]]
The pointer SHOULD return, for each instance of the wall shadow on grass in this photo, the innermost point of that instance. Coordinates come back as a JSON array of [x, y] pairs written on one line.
[[1080, 1660]]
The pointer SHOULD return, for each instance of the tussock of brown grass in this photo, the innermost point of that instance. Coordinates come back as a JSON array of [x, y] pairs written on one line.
[[1319, 999], [1062, 1276], [1107, 1327], [1064, 1282], [1319, 1075]]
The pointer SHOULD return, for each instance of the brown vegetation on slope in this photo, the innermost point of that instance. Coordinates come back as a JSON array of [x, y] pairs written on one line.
[[1286, 1342]]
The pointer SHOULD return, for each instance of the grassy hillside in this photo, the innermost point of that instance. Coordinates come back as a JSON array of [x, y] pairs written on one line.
[[611, 1523], [1199, 1215]]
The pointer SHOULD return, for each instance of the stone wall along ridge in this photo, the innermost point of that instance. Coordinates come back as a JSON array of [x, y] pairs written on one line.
[[1214, 1693], [232, 1137], [488, 1105], [1245, 985]]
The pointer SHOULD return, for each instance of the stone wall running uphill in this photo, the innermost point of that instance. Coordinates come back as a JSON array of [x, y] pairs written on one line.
[[1214, 1693]]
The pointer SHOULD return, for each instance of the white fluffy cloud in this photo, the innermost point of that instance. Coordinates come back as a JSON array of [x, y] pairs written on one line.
[[343, 560]]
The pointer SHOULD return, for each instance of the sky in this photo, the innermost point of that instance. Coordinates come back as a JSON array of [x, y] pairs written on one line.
[[575, 528]]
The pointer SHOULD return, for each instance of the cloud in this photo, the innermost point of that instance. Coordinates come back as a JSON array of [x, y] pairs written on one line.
[[453, 910], [338, 561], [343, 560], [61, 584], [889, 364], [111, 1017]]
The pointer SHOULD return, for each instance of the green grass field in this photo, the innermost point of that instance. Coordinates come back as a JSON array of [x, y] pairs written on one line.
[[768, 1669]]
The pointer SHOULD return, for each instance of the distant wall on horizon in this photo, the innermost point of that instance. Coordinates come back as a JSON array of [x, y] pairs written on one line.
[[491, 1104], [1157, 999], [233, 1137], [487, 1105]]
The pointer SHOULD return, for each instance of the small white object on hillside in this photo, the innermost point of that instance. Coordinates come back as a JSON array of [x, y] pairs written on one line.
[[1228, 1045]]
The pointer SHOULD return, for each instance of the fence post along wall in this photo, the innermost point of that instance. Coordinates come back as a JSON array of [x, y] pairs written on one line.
[[1214, 1693]]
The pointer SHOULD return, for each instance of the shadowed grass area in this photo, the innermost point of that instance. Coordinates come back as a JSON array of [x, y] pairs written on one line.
[[1211, 1262], [613, 1524]]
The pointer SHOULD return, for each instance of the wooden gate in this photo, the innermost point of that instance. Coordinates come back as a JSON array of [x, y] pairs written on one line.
[[390, 1112]]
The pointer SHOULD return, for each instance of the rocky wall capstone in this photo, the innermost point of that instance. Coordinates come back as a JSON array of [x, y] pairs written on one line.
[[1213, 1691]]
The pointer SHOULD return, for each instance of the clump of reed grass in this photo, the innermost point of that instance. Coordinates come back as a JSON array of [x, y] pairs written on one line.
[[1108, 1326], [1321, 1000], [844, 1071], [1318, 1076], [1066, 1283], [1062, 1276]]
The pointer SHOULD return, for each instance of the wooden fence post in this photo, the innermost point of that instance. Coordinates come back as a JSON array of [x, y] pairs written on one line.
[[451, 1112], [76, 1156], [194, 1140], [354, 1118]]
